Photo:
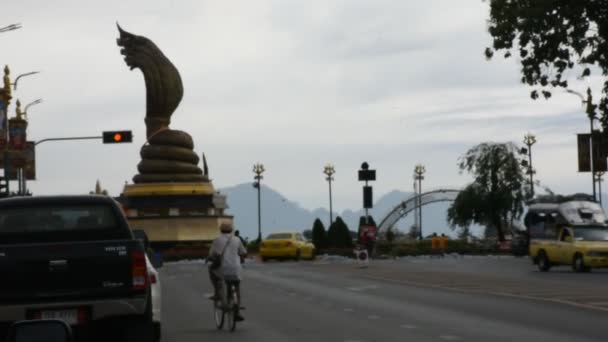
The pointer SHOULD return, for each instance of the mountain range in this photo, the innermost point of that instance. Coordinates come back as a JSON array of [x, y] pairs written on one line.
[[281, 214]]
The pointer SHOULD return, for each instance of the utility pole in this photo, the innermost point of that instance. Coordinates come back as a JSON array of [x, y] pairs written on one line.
[[590, 111]]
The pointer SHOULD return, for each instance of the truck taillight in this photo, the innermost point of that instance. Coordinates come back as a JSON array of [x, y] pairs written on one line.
[[152, 279], [139, 270]]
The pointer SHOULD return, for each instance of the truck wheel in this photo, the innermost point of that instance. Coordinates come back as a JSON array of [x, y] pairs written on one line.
[[298, 255], [543, 262], [157, 331], [578, 264]]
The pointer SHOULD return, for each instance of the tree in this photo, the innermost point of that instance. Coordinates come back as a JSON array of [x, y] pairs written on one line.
[[497, 193], [307, 234], [464, 233], [390, 234], [319, 236], [553, 37], [338, 234], [413, 233]]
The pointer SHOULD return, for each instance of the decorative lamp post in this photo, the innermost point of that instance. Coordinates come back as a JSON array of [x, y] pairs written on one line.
[[329, 171], [258, 170], [529, 140], [419, 171]]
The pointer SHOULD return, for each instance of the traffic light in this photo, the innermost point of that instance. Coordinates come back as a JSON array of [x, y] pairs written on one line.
[[117, 137]]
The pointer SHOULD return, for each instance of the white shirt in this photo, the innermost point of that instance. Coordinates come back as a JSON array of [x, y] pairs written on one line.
[[231, 263]]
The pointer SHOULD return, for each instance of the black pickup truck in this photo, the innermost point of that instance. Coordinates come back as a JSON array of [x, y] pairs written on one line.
[[73, 258]]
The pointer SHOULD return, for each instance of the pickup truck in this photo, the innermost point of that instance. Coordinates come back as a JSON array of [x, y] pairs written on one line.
[[73, 258], [583, 247]]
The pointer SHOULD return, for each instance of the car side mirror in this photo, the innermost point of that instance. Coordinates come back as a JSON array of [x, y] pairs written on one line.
[[141, 235], [45, 330]]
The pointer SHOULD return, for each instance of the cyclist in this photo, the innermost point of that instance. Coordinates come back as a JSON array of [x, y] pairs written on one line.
[[229, 250]]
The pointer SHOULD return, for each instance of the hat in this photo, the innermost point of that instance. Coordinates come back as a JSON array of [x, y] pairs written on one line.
[[226, 228]]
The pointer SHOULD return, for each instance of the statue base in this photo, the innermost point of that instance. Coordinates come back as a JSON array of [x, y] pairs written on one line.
[[180, 219]]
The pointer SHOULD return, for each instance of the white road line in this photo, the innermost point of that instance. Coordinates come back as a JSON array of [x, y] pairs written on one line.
[[408, 326], [373, 317], [449, 337]]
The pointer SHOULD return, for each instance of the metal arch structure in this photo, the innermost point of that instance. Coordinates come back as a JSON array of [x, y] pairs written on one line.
[[405, 207]]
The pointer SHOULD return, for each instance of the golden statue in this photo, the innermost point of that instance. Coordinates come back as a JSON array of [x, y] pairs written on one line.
[[20, 113], [7, 82]]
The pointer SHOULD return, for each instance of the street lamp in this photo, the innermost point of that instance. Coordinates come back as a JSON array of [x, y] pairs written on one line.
[[419, 171], [329, 171], [590, 111], [258, 170], [33, 103], [529, 140], [11, 27], [23, 75]]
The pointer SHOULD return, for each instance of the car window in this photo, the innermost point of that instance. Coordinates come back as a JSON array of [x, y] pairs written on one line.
[[279, 236]]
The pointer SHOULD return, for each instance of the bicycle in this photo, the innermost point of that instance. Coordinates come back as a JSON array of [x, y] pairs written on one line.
[[226, 308]]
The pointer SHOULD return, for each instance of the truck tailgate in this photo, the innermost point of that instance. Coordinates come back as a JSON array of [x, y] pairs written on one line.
[[75, 270]]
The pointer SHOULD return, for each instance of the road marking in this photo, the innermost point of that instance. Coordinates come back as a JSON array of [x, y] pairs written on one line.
[[408, 326], [362, 288], [373, 317], [449, 337]]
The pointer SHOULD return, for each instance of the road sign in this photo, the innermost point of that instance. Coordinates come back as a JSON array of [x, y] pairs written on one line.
[[17, 133], [600, 152], [25, 160], [368, 197]]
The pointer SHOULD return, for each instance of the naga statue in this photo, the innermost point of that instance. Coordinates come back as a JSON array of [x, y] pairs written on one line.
[[167, 156]]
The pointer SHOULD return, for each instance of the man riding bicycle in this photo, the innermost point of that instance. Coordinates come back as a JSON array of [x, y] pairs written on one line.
[[229, 250]]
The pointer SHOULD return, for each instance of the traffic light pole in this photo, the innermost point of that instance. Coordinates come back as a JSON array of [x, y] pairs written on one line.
[[67, 138]]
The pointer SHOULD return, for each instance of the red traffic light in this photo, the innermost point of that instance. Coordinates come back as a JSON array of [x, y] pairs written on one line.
[[117, 137]]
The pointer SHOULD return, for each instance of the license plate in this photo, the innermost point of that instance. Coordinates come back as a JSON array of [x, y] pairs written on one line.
[[276, 246], [68, 316]]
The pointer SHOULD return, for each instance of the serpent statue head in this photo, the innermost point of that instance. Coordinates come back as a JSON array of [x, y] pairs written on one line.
[[164, 89]]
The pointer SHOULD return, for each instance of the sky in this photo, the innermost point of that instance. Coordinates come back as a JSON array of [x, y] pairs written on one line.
[[291, 84]]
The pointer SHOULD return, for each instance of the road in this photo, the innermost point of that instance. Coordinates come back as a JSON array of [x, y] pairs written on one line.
[[484, 299]]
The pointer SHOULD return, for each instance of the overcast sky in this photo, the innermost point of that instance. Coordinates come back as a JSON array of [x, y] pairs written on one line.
[[291, 84]]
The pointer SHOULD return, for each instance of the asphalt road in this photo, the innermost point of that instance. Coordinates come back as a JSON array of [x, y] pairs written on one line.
[[407, 300]]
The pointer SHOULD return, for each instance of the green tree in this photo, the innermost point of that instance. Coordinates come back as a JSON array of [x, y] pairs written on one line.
[[552, 37], [307, 234], [464, 233], [497, 193], [390, 234], [338, 234], [319, 236]]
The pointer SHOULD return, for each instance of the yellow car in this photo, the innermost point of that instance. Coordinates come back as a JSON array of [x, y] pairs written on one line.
[[582, 247], [286, 245]]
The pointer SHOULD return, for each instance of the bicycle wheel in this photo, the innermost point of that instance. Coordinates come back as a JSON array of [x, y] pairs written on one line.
[[218, 314], [233, 308]]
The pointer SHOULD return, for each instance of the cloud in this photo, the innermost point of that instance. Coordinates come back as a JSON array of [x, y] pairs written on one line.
[[293, 84]]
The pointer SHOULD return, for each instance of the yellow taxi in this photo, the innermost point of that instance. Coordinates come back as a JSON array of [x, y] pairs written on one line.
[[582, 247], [286, 245]]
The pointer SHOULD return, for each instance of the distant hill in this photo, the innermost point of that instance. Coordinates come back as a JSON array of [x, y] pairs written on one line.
[[279, 213]]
